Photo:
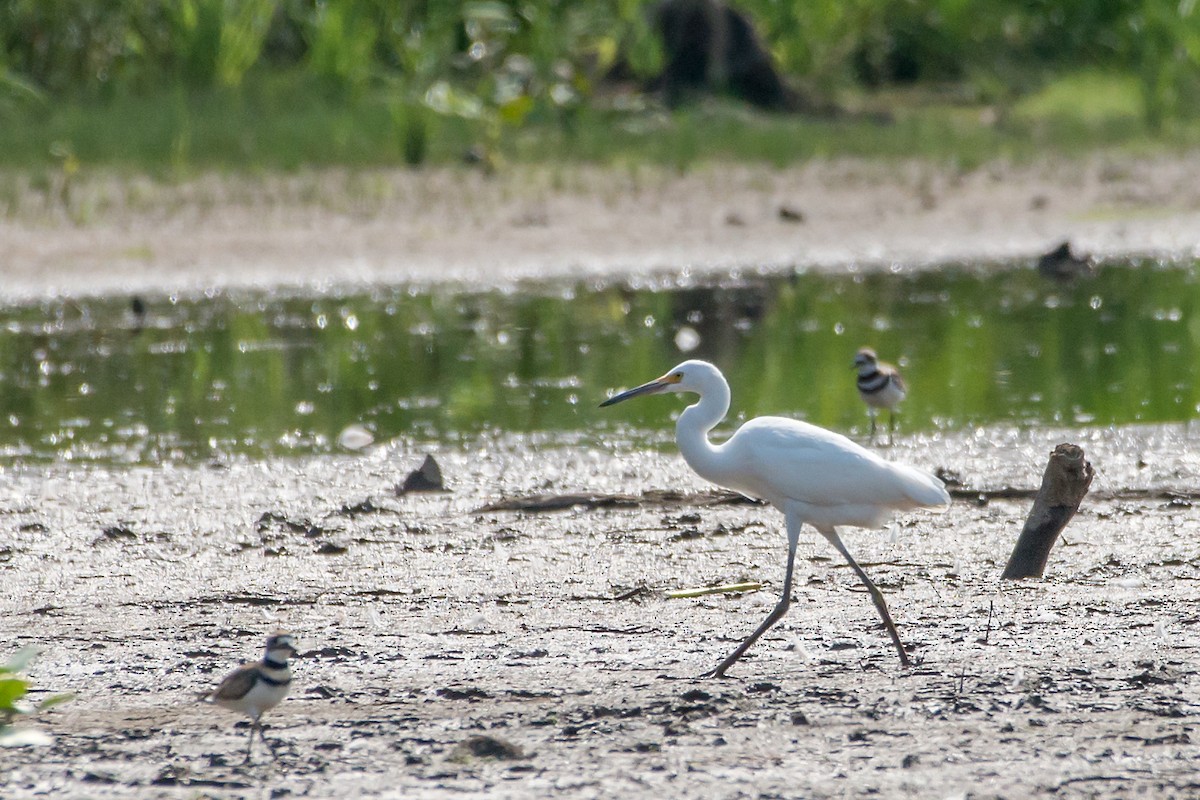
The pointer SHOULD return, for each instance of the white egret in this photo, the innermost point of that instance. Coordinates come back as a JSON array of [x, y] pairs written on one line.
[[810, 474]]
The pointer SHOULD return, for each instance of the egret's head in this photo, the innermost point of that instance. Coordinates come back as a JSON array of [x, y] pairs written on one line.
[[865, 359], [690, 376]]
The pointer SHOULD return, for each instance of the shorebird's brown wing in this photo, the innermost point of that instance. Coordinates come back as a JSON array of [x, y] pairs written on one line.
[[896, 379], [237, 683]]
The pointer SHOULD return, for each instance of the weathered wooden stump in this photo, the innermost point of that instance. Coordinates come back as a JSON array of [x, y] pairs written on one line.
[[1066, 480]]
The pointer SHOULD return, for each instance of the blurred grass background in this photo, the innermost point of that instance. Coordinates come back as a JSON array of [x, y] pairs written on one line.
[[171, 86]]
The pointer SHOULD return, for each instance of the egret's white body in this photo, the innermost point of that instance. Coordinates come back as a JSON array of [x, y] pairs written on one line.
[[810, 474]]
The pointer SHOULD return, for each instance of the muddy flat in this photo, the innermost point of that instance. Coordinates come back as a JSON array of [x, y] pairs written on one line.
[[449, 651]]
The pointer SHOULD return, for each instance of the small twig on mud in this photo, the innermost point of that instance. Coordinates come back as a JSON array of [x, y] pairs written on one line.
[[558, 502], [1088, 778], [876, 564], [933, 585], [987, 632], [729, 588], [984, 495], [637, 591], [631, 631]]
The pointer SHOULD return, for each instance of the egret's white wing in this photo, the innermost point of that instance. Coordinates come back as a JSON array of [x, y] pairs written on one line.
[[783, 458]]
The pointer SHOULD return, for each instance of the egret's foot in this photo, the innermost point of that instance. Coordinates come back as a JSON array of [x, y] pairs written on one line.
[[720, 669]]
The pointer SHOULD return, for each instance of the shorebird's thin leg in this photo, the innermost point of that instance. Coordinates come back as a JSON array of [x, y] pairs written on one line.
[[267, 741], [250, 741]]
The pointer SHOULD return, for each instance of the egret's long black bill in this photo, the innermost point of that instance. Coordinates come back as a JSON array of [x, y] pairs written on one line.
[[653, 386]]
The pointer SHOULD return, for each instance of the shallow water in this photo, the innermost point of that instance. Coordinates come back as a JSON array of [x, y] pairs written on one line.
[[190, 379]]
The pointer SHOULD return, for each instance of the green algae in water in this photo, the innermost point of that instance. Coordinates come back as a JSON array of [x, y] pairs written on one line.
[[255, 375]]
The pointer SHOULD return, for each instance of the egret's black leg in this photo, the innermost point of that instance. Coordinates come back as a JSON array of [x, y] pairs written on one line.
[[876, 596], [785, 600]]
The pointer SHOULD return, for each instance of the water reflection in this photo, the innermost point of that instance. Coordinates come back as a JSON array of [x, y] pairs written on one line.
[[187, 380]]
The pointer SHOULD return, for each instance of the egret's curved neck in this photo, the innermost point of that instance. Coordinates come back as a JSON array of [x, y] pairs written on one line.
[[691, 431]]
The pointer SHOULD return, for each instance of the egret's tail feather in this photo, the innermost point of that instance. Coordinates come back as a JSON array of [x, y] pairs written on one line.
[[925, 490]]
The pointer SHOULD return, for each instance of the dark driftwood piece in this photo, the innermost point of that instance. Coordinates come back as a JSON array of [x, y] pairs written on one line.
[[1066, 480], [426, 478], [536, 503], [541, 503]]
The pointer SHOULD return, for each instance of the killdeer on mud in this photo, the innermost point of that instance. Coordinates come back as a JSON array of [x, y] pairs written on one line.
[[880, 386], [258, 686]]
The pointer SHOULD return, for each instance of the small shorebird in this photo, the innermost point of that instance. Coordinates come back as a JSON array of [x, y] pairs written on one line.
[[259, 686], [880, 386]]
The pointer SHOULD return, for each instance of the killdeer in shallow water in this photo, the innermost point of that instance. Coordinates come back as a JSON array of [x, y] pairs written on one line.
[[259, 686], [880, 386]]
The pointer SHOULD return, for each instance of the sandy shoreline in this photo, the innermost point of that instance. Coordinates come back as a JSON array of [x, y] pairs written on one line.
[[332, 229]]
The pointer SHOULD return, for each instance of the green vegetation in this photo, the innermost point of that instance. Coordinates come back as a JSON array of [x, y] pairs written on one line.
[[258, 375], [13, 689], [176, 85]]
